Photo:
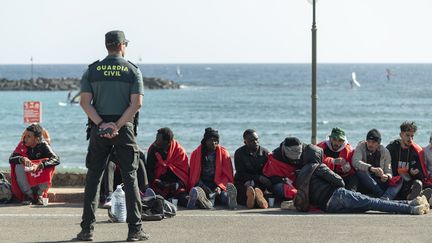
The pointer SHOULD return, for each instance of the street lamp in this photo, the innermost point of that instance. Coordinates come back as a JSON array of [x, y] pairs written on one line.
[[314, 75]]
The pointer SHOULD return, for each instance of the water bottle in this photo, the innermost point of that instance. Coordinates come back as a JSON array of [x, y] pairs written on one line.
[[118, 204]]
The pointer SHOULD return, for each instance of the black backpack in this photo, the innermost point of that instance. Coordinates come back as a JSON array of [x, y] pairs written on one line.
[[157, 208], [5, 189]]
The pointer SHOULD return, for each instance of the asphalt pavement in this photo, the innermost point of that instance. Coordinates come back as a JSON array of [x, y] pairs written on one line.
[[59, 222]]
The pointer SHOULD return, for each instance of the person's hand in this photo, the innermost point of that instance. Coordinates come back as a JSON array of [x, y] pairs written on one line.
[[36, 167], [338, 161], [27, 162], [217, 190], [414, 171], [265, 181], [384, 178], [377, 171], [112, 126]]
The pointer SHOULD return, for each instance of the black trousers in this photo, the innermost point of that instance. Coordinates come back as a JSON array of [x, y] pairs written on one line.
[[111, 178], [127, 152]]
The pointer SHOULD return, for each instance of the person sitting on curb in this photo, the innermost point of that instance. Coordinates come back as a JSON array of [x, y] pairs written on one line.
[[428, 158], [167, 167], [281, 166], [112, 177], [249, 161], [319, 186], [407, 161], [32, 167], [211, 174], [373, 164], [337, 156]]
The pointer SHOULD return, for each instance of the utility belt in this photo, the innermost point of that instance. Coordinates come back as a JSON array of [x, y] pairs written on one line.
[[112, 118]]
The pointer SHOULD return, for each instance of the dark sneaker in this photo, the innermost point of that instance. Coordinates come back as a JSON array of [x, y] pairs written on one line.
[[232, 196], [427, 193], [193, 196], [38, 200], [107, 203], [250, 197], [138, 236], [262, 203], [416, 189], [85, 235], [202, 199]]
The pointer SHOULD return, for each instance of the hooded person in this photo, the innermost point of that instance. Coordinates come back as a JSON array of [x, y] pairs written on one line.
[[167, 167], [281, 167], [211, 174], [337, 156]]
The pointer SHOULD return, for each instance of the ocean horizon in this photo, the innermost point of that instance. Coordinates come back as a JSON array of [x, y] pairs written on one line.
[[274, 99]]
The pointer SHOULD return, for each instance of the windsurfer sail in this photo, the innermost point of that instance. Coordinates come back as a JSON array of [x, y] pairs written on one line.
[[354, 83]]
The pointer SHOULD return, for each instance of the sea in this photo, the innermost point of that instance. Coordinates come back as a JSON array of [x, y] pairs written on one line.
[[273, 99]]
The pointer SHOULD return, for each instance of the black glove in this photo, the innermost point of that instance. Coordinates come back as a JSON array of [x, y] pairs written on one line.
[[265, 181]]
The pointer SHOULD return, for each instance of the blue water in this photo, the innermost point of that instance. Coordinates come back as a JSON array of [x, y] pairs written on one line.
[[272, 98]]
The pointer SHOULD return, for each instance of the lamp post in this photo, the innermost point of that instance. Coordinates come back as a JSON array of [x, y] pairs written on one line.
[[314, 75]]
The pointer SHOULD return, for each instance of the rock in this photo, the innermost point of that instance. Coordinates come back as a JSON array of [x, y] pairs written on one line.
[[74, 84]]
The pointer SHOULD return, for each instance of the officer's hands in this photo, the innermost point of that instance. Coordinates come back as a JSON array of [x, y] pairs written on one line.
[[110, 125]]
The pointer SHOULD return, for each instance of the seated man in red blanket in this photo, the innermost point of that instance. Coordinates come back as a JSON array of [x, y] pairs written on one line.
[[167, 167], [211, 174], [32, 166]]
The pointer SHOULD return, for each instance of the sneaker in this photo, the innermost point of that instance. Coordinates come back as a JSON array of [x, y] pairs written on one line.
[[107, 204], [288, 205], [138, 236], [38, 200], [416, 189], [193, 196], [85, 235], [202, 199], [427, 193], [418, 201], [261, 201], [250, 197], [232, 196]]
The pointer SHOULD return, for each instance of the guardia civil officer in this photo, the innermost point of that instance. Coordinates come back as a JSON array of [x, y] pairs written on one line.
[[111, 94]]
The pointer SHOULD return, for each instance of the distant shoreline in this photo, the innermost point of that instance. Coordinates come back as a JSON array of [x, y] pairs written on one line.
[[65, 84]]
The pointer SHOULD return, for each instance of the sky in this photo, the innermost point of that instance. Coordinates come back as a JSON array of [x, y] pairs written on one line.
[[217, 31]]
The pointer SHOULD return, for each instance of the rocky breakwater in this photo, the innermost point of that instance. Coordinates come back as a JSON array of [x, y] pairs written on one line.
[[74, 84]]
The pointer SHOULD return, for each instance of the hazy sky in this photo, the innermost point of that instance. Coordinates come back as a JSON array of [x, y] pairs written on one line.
[[217, 31]]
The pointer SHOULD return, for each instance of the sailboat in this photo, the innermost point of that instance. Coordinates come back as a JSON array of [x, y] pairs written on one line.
[[354, 83], [178, 72]]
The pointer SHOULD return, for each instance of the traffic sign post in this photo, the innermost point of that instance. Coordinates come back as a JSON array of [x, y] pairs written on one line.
[[32, 112]]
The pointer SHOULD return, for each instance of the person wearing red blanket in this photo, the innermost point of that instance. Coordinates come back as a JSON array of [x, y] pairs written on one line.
[[32, 166], [281, 166], [211, 174], [167, 167], [338, 155], [407, 161]]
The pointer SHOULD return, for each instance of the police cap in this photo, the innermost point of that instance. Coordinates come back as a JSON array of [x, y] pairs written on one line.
[[115, 37]]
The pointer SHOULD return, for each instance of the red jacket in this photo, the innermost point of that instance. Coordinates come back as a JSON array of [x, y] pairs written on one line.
[[223, 171], [346, 153], [274, 167]]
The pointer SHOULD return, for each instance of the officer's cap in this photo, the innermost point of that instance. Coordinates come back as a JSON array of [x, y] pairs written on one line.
[[115, 37]]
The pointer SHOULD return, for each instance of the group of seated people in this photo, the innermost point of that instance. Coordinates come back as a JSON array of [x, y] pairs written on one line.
[[331, 176]]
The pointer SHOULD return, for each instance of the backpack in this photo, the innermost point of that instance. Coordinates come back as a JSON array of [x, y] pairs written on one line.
[[157, 208], [5, 189]]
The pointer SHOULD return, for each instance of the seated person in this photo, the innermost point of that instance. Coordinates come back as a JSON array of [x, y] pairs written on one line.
[[112, 178], [249, 180], [373, 164], [320, 186], [32, 166], [407, 161], [211, 174], [337, 156], [428, 159], [167, 167]]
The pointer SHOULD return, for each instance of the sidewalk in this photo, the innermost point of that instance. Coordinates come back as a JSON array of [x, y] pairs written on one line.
[[66, 194]]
